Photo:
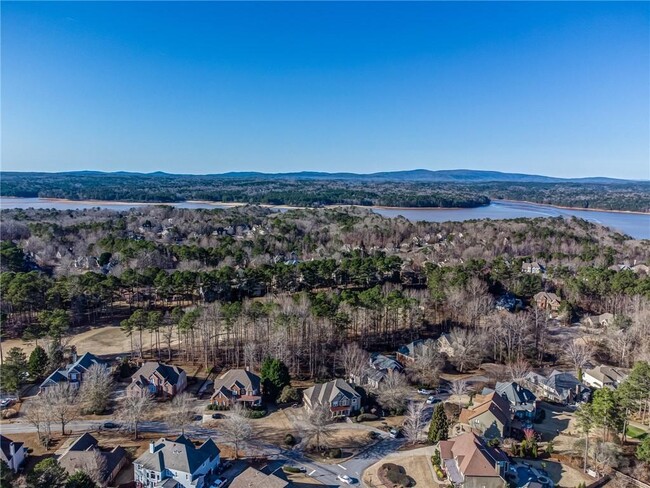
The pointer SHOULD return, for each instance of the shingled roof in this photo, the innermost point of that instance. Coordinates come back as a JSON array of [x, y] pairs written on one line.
[[494, 404], [169, 373], [326, 392], [473, 456], [179, 454], [253, 478], [239, 377]]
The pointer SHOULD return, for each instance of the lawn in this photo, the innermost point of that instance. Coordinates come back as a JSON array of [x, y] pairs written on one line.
[[636, 432]]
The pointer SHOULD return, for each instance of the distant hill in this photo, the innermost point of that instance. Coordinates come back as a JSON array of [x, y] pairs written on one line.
[[466, 176]]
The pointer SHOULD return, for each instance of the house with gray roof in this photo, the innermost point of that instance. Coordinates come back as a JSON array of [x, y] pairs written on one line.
[[85, 454], [157, 379], [408, 353], [377, 371], [12, 453], [523, 403], [254, 478], [559, 386], [604, 377], [176, 463], [74, 372], [237, 386], [338, 395]]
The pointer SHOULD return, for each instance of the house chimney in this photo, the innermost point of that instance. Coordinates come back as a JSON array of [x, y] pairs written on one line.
[[12, 449], [152, 447]]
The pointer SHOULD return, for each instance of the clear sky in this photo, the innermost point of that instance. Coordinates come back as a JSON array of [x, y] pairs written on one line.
[[561, 89]]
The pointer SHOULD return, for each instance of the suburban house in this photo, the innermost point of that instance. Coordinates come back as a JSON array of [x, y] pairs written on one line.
[[253, 478], [12, 453], [559, 386], [522, 401], [74, 372], [547, 301], [341, 398], [604, 376], [470, 463], [157, 379], [445, 345], [84, 454], [409, 353], [532, 268], [237, 385], [491, 418], [603, 320], [377, 371], [176, 464]]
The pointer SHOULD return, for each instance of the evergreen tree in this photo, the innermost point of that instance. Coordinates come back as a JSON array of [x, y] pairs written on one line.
[[47, 474], [80, 480], [607, 411], [13, 370], [439, 428], [643, 450], [6, 475], [37, 364], [275, 376]]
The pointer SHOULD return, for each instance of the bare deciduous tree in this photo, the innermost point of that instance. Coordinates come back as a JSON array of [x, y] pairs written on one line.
[[236, 428], [459, 388], [469, 348], [579, 354], [393, 392], [96, 388], [94, 465], [518, 369], [133, 411], [414, 422], [319, 420], [38, 414], [353, 359], [181, 412], [427, 365], [63, 402]]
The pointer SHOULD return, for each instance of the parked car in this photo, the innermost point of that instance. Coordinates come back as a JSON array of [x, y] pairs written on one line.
[[433, 400], [218, 483], [424, 391], [6, 403], [110, 425], [344, 478], [293, 467], [217, 416], [197, 418], [395, 433], [295, 405]]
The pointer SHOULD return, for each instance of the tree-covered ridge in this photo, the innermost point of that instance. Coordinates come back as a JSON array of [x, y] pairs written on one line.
[[267, 189]]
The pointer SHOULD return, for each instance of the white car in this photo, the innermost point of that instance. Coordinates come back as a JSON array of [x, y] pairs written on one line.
[[344, 478], [424, 391], [431, 400]]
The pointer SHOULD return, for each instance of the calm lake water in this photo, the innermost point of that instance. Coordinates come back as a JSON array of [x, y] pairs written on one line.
[[635, 225]]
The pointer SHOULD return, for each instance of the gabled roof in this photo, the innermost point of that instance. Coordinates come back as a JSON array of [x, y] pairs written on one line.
[[607, 374], [239, 377], [171, 374], [473, 456], [515, 394], [560, 382], [494, 404], [252, 478], [5, 451], [326, 392], [81, 365], [384, 363], [179, 454], [83, 452], [410, 349]]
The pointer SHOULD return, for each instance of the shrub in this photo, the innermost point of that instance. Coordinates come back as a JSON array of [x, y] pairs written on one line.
[[334, 453], [393, 475], [435, 459], [494, 443], [289, 395], [367, 417], [289, 440], [256, 414]]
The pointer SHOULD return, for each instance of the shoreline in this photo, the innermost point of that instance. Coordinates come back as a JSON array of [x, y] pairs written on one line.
[[292, 207]]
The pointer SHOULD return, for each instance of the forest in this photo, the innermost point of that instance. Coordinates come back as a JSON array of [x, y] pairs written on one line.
[[306, 192], [230, 287]]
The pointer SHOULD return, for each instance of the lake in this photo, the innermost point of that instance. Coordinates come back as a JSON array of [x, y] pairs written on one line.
[[635, 225]]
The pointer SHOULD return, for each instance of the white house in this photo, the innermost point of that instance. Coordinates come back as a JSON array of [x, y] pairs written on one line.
[[176, 464], [12, 453], [603, 376]]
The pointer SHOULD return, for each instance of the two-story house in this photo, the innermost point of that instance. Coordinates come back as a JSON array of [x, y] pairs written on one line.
[[73, 373], [604, 377], [408, 353], [237, 386], [85, 454], [470, 463], [176, 463], [491, 418], [377, 371], [559, 386], [12, 453], [523, 403], [157, 379], [338, 395]]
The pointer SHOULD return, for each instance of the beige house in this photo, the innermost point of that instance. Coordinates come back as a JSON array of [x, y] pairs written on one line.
[[491, 418], [252, 477], [237, 385], [84, 454], [338, 395], [603, 320], [157, 379], [547, 301], [470, 463], [532, 268], [604, 377]]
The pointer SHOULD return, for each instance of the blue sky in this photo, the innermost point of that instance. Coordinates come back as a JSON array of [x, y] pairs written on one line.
[[551, 88]]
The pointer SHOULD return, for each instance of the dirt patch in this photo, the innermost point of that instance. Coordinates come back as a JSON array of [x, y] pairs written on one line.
[[415, 462]]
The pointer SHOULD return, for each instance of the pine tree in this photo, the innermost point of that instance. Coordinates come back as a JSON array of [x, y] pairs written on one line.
[[37, 364], [439, 428], [47, 474], [80, 480], [6, 475], [275, 376]]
